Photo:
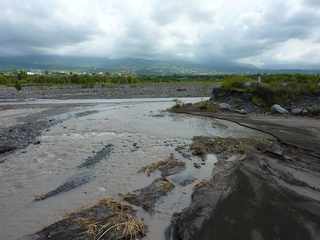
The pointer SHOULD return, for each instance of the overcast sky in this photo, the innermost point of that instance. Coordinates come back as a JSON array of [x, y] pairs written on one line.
[[266, 33]]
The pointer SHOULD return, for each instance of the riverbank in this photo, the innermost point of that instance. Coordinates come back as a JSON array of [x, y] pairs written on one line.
[[146, 90], [269, 192]]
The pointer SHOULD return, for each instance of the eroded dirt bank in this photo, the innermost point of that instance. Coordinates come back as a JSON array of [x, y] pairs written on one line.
[[114, 91], [269, 192]]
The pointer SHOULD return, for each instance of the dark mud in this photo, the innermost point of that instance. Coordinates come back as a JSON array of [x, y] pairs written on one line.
[[269, 192], [104, 153], [21, 135], [7, 149], [107, 220], [82, 177], [148, 196], [70, 184], [29, 128], [86, 113]]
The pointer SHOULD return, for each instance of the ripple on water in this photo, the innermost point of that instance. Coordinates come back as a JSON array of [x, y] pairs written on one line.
[[138, 138]]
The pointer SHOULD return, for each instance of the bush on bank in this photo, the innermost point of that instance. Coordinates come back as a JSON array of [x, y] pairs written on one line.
[[272, 89]]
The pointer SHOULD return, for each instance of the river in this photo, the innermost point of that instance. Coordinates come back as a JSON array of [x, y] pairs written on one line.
[[135, 132]]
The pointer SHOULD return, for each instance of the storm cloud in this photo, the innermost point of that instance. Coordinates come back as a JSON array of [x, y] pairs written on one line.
[[266, 33]]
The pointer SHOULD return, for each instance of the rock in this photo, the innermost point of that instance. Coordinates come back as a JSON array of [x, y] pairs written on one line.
[[304, 111], [297, 111], [215, 92], [313, 110], [196, 165], [224, 106], [276, 108], [241, 111]]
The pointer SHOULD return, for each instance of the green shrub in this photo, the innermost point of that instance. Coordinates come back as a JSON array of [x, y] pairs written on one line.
[[18, 86], [235, 82], [206, 106]]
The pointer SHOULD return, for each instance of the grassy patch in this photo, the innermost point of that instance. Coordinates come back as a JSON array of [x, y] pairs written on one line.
[[235, 81], [206, 106], [105, 79], [225, 146], [272, 89]]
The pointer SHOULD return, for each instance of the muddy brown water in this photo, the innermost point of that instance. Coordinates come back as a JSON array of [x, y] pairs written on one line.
[[139, 131]]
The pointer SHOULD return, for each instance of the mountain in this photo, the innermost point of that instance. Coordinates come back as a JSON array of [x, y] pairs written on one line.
[[139, 66]]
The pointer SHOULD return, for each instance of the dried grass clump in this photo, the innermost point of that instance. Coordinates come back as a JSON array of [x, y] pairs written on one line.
[[122, 224], [207, 106], [166, 185], [147, 170], [201, 183], [226, 146], [169, 163]]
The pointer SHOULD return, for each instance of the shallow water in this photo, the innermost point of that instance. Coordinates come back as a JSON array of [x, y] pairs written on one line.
[[140, 133]]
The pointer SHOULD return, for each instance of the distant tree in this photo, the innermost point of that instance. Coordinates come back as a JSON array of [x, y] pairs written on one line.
[[18, 86], [21, 75], [3, 79]]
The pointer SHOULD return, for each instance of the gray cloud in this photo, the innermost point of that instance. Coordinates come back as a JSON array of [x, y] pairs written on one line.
[[313, 3], [27, 28], [261, 32]]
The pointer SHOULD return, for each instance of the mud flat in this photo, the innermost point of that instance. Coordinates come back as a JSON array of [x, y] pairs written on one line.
[[267, 191]]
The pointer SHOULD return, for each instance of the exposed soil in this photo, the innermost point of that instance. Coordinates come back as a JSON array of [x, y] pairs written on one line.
[[148, 196], [259, 99], [270, 192], [107, 220]]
